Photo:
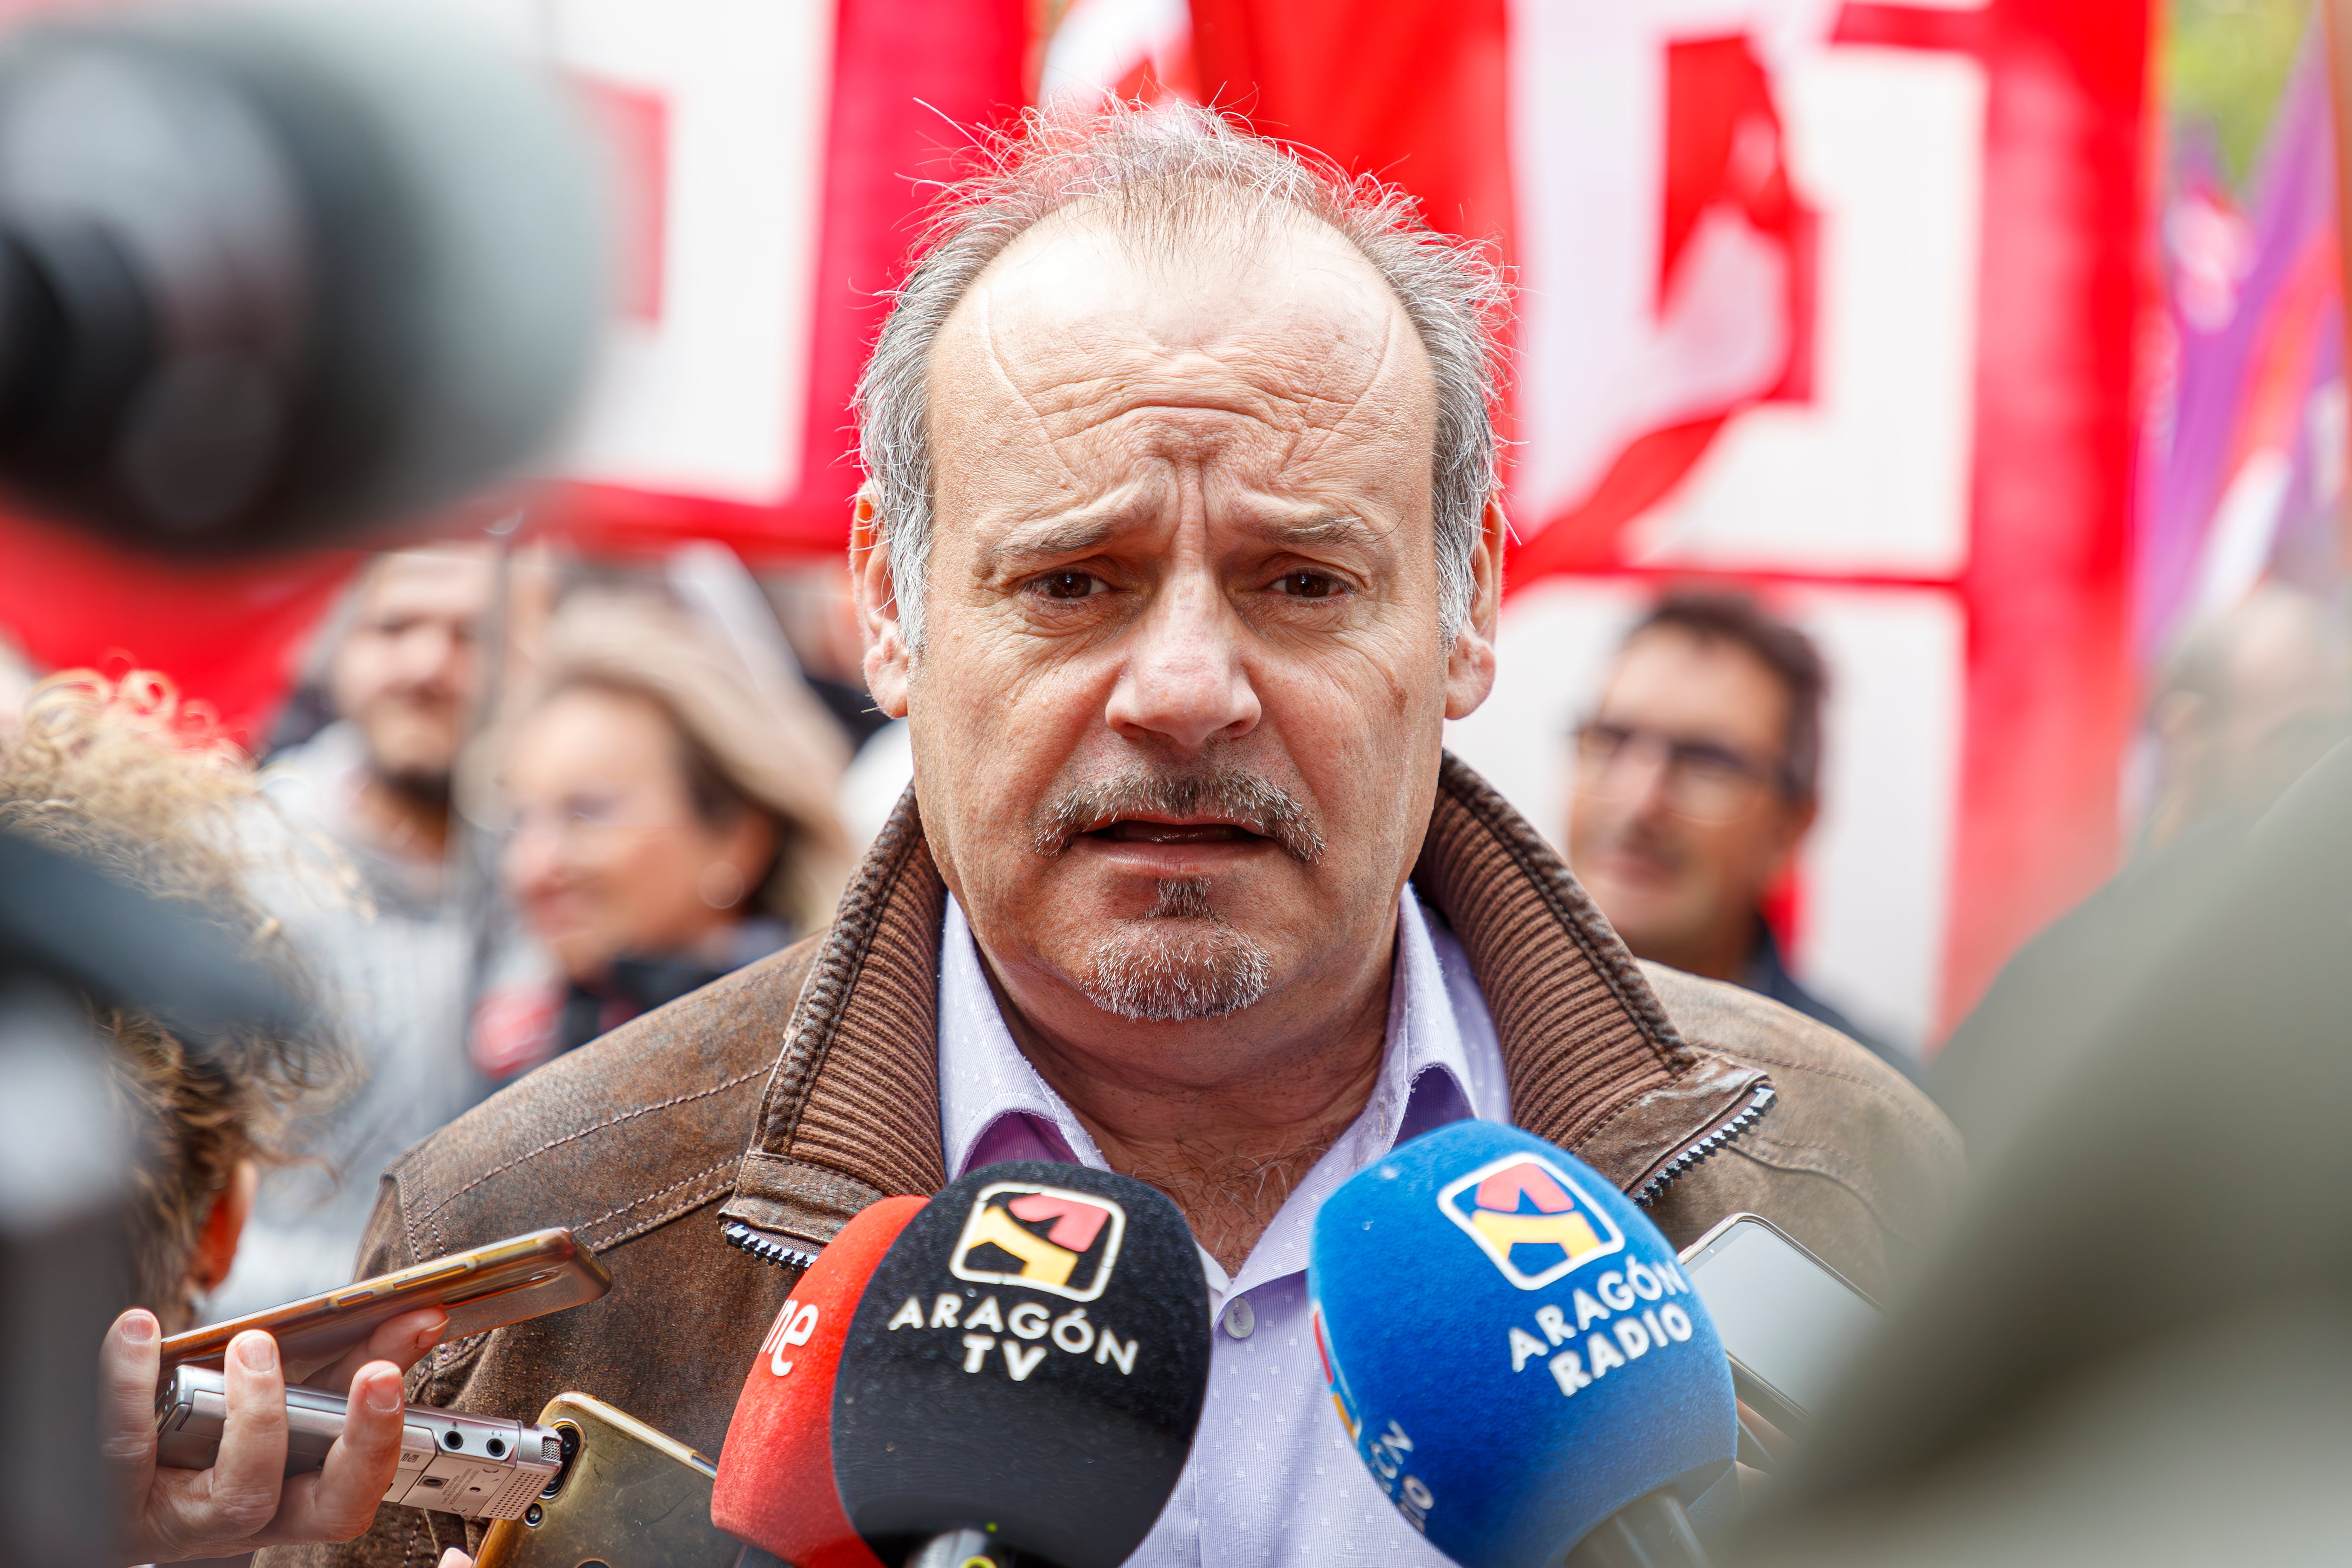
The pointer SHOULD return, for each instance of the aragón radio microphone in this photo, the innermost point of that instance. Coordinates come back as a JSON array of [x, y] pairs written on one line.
[[1519, 1358], [1025, 1372]]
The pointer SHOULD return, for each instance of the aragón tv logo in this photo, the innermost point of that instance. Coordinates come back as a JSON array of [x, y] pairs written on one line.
[[1530, 1218], [1047, 1238]]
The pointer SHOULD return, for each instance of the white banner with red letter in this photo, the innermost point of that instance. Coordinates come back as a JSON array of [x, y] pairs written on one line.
[[1836, 299]]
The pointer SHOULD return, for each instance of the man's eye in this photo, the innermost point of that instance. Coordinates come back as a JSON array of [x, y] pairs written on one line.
[[1308, 586], [1068, 585]]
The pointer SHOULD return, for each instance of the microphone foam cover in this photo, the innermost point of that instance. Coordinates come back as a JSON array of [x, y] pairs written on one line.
[[1031, 1359], [775, 1484], [1512, 1346]]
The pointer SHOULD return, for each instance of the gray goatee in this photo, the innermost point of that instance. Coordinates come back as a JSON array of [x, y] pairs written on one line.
[[1182, 959]]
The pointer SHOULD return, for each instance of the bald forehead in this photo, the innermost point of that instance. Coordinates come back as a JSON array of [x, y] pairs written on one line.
[[459, 573], [1275, 315], [1211, 242]]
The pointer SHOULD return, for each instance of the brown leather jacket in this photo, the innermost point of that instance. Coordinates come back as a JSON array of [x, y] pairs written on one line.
[[1699, 1098]]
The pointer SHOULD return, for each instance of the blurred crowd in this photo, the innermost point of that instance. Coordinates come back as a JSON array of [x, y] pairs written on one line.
[[561, 795], [516, 802]]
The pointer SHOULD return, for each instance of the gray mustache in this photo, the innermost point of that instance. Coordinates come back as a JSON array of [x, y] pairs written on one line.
[[1229, 794]]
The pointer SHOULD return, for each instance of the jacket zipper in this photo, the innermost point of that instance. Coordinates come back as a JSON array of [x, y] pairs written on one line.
[[765, 1247], [1713, 1141]]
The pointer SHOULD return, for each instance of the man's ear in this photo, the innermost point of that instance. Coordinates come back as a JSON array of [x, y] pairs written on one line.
[[1470, 663], [223, 1228], [877, 594]]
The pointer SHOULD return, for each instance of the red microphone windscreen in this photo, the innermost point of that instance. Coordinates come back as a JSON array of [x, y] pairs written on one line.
[[775, 1488]]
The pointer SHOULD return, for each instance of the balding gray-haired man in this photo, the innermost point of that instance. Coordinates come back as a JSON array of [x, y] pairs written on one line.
[[1178, 546]]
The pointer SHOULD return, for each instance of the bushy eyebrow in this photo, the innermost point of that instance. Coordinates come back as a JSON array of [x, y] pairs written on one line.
[[1338, 527], [1077, 536], [1073, 536]]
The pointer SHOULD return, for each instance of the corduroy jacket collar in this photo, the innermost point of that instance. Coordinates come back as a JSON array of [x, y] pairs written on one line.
[[852, 1112]]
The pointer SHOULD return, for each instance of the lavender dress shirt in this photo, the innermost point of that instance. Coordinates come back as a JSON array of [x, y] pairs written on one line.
[[1272, 1479]]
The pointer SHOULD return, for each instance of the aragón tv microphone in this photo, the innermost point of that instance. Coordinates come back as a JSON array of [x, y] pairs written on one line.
[[1519, 1360], [775, 1488], [1025, 1373], [275, 276]]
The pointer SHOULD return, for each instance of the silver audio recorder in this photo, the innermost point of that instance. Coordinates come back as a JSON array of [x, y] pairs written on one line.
[[465, 1465]]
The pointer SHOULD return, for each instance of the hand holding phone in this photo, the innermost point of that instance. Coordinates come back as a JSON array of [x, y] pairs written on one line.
[[479, 1289], [246, 1500]]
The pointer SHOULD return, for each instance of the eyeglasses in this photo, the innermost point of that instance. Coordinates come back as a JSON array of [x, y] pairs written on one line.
[[1702, 780]]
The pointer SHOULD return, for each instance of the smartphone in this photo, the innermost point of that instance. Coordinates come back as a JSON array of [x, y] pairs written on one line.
[[473, 1466], [1789, 1322], [628, 1497], [482, 1289]]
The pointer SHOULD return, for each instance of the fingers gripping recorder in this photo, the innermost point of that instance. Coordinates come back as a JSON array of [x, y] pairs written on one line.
[[1519, 1358], [1022, 1379], [467, 1465]]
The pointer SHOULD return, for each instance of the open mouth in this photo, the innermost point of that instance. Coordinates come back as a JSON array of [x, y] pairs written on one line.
[[1131, 830], [1217, 811]]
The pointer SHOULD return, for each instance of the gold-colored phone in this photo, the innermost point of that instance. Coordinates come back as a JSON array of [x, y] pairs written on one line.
[[482, 1287], [628, 1497]]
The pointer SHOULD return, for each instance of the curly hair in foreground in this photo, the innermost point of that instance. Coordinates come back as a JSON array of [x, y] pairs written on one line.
[[124, 777]]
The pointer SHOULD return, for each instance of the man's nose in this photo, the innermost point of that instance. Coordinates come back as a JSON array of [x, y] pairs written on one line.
[[1644, 770], [1183, 678], [428, 655], [537, 856]]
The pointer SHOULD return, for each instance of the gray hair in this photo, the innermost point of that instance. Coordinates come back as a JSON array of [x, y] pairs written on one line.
[[1158, 171]]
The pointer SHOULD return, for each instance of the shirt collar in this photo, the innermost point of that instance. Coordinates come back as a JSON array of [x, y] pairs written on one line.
[[1440, 1062], [983, 1077]]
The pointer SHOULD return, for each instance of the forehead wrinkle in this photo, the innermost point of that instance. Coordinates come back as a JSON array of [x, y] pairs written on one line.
[[1259, 367], [1131, 399], [1243, 381], [978, 300], [1312, 437], [1254, 390]]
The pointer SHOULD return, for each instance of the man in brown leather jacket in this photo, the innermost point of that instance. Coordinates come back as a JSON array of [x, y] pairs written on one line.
[[1178, 546]]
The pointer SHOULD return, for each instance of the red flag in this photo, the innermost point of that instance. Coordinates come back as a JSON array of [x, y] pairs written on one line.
[[226, 634], [772, 170]]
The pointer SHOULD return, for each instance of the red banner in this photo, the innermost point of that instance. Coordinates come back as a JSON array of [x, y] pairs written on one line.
[[1836, 299]]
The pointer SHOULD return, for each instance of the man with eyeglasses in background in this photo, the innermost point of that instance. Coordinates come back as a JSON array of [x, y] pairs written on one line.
[[1694, 785]]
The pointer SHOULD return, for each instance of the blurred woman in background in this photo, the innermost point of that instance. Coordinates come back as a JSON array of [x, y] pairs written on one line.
[[672, 815]]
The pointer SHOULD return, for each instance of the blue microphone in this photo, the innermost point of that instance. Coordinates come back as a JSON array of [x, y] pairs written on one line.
[[1519, 1358]]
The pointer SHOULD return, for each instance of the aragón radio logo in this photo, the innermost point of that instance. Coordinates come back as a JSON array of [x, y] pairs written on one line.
[[1044, 1237], [1531, 1218]]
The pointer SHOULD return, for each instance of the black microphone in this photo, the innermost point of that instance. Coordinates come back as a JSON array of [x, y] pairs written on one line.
[[268, 277], [1025, 1372]]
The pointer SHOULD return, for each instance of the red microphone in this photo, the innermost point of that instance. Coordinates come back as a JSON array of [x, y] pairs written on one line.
[[775, 1488]]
